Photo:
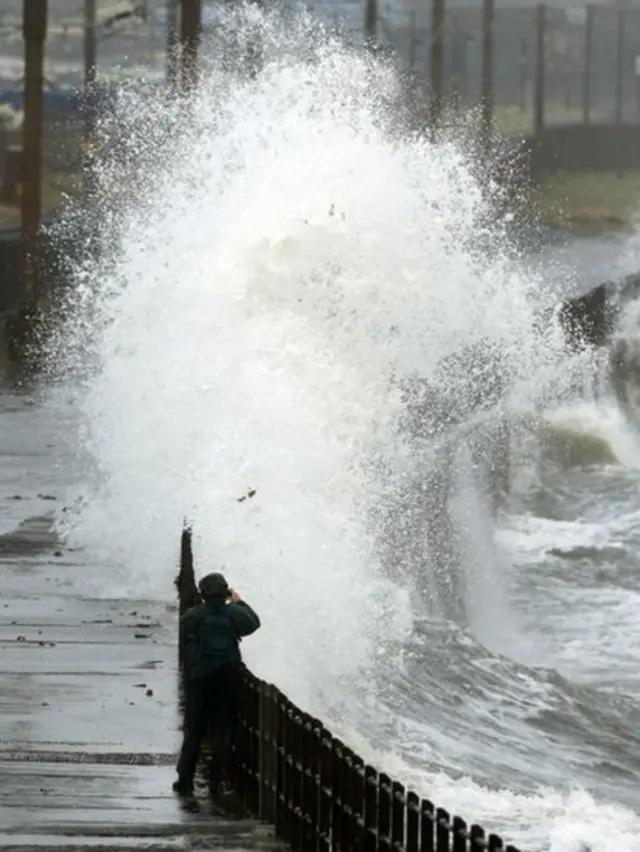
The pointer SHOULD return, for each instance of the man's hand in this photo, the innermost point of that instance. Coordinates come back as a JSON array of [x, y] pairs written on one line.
[[234, 597]]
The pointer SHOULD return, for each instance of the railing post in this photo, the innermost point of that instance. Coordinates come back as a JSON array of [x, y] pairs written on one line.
[[413, 822], [246, 709], [346, 772], [337, 801], [442, 830], [315, 792], [262, 750], [476, 839], [280, 766], [272, 753], [188, 595], [384, 812], [358, 801], [185, 582], [427, 826], [297, 779], [370, 809], [239, 750], [309, 788], [459, 829], [256, 743], [326, 791], [286, 815], [398, 810], [266, 781]]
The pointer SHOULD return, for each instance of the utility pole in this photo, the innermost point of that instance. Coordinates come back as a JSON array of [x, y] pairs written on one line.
[[173, 43], [191, 25], [541, 71], [34, 22], [486, 104], [588, 62], [436, 63], [90, 66], [371, 23], [620, 67]]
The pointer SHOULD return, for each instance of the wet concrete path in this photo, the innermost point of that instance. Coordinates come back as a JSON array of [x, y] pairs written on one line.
[[88, 713]]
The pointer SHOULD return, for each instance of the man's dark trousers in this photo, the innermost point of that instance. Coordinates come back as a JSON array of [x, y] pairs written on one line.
[[210, 705]]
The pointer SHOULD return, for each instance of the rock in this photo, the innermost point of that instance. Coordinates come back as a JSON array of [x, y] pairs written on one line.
[[590, 319]]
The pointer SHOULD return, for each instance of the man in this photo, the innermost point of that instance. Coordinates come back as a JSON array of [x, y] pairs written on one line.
[[210, 635]]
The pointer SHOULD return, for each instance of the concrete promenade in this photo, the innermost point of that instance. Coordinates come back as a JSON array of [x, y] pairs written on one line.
[[89, 725]]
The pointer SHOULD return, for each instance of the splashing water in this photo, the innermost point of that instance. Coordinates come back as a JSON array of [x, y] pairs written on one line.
[[283, 258]]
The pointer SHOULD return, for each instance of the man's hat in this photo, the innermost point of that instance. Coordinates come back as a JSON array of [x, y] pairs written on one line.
[[214, 586]]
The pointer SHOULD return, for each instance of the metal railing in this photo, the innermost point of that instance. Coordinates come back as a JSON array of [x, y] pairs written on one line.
[[288, 770]]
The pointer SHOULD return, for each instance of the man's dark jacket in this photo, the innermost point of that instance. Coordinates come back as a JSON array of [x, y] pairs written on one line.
[[244, 621]]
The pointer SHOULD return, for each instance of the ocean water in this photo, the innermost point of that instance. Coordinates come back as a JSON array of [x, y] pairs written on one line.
[[300, 297]]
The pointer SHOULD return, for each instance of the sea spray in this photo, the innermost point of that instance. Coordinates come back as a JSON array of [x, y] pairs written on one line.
[[281, 259]]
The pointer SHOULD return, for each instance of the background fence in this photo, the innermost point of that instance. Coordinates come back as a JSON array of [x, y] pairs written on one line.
[[290, 771], [530, 66], [582, 62]]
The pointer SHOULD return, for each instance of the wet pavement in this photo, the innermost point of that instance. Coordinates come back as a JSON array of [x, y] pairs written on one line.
[[89, 725]]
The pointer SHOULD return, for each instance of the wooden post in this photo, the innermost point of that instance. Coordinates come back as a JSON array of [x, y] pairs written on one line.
[[620, 66], [524, 73], [90, 75], [90, 59], [486, 106], [371, 23], [539, 93], [173, 43], [35, 34], [191, 24], [412, 40], [454, 76], [185, 582], [436, 62], [588, 63]]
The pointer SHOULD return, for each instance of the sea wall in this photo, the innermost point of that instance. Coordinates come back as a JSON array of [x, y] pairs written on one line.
[[582, 148]]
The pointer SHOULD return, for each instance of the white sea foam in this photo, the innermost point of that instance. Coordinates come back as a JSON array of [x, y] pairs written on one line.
[[284, 258]]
